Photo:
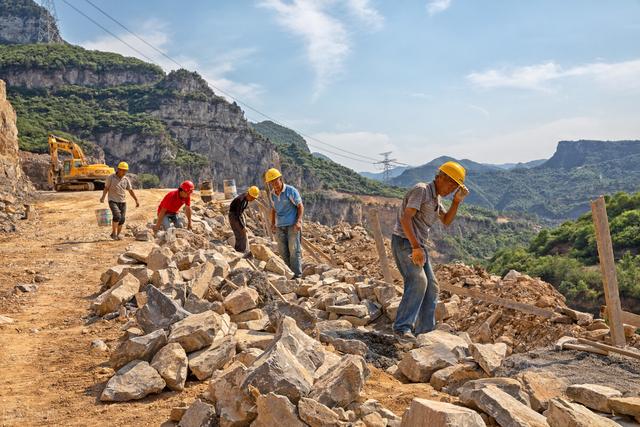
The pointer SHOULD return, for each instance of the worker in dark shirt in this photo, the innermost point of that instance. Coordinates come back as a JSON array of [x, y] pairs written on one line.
[[236, 217]]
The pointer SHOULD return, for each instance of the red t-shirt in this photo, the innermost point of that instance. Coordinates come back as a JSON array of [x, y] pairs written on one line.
[[172, 202]]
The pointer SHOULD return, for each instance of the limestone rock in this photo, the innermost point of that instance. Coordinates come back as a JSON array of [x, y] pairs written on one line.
[[140, 251], [159, 312], [315, 414], [541, 388], [199, 414], [419, 364], [171, 362], [274, 410], [625, 405], [198, 330], [429, 413], [159, 258], [204, 362], [248, 339], [593, 396], [202, 277], [133, 381], [562, 413], [511, 386], [246, 316], [506, 410], [121, 292], [288, 364], [138, 348], [241, 299], [454, 376], [488, 356], [166, 277], [356, 310], [233, 404], [276, 265], [248, 356], [305, 320], [343, 384], [262, 252], [456, 344]]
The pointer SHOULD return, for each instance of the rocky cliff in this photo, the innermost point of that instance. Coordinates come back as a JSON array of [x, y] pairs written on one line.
[[571, 154], [14, 185], [22, 22]]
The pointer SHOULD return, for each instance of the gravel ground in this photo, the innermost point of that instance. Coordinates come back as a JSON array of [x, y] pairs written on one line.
[[577, 367]]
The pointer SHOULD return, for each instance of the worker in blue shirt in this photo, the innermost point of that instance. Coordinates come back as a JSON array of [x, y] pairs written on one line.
[[286, 220]]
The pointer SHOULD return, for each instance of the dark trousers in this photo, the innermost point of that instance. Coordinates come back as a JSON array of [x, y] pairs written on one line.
[[240, 233], [118, 211]]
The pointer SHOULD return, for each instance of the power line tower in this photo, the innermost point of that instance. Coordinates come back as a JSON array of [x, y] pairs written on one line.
[[387, 164], [47, 32]]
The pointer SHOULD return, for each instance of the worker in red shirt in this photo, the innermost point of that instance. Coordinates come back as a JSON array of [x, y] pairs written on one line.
[[171, 204]]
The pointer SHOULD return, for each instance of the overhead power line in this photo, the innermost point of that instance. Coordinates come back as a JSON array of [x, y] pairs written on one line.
[[358, 157]]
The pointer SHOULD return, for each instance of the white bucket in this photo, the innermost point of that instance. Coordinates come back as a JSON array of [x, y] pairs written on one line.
[[230, 190]]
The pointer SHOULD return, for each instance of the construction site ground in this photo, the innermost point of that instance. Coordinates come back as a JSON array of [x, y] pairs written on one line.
[[48, 374]]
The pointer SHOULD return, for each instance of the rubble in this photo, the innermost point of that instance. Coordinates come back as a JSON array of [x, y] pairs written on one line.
[[299, 352], [593, 396], [562, 413]]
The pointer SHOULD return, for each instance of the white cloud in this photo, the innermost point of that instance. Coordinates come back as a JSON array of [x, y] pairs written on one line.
[[479, 109], [363, 10], [621, 75], [157, 34], [325, 34], [437, 6]]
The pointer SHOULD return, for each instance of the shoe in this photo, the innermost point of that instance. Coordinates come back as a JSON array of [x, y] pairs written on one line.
[[113, 236], [118, 237], [405, 336]]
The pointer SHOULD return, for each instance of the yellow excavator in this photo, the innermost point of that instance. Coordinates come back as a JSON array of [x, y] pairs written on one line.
[[74, 174]]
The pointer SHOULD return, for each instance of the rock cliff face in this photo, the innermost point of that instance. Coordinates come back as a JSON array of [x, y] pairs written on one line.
[[14, 185], [571, 154], [22, 21], [45, 77]]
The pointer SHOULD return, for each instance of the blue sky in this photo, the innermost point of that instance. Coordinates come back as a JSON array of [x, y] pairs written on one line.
[[492, 81]]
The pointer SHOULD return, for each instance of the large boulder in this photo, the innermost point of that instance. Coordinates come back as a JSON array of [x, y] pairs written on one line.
[[489, 356], [159, 312], [140, 251], [419, 364], [199, 414], [625, 405], [242, 299], [138, 348], [206, 361], [171, 362], [456, 344], [287, 366], [198, 330], [124, 290], [505, 409], [233, 403], [315, 414], [342, 384], [541, 388], [429, 413], [511, 386], [593, 396], [202, 277], [159, 258], [133, 381], [562, 413], [276, 410]]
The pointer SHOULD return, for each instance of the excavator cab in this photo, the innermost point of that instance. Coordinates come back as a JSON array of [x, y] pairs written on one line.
[[75, 174]]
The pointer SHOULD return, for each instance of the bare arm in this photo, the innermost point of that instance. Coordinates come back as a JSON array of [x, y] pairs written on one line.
[[105, 191], [273, 218], [300, 208], [187, 211], [447, 218], [161, 213], [134, 197]]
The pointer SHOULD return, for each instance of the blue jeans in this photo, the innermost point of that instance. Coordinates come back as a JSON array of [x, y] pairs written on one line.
[[289, 247], [418, 305], [172, 218]]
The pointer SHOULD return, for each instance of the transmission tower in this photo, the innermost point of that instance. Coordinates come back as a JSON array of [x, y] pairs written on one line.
[[47, 31], [387, 164]]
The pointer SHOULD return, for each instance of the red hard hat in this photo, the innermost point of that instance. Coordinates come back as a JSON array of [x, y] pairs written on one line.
[[187, 186]]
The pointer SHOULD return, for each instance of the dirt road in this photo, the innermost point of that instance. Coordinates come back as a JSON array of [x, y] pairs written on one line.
[[47, 373]]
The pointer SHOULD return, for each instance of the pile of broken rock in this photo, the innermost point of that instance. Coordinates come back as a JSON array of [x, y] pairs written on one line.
[[298, 352]]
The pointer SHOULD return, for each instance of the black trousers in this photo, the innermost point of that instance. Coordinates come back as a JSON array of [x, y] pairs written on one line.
[[118, 211], [240, 233]]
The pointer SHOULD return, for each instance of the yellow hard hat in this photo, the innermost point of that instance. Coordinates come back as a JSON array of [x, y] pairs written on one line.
[[455, 171], [124, 166], [254, 191], [272, 174]]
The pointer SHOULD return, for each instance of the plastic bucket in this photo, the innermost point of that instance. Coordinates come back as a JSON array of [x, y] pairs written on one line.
[[230, 190], [103, 216], [206, 191]]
